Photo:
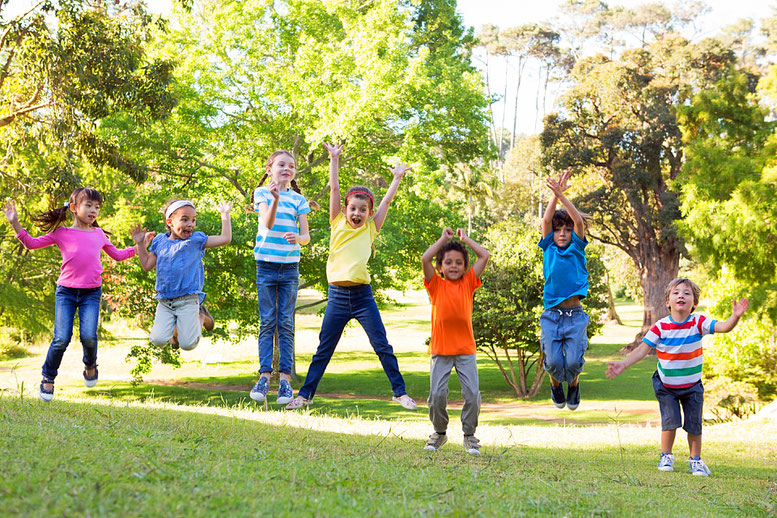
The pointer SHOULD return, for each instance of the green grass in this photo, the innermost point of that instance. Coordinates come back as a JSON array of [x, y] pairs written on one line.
[[72, 458]]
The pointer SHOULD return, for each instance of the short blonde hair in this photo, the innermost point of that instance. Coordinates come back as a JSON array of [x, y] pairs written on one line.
[[676, 282]]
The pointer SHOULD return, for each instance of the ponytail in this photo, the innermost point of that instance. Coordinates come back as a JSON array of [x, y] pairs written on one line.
[[48, 221]]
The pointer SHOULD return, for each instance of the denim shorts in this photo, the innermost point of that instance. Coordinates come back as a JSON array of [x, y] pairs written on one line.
[[669, 401]]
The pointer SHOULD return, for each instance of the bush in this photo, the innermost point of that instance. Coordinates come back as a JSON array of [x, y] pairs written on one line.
[[13, 344]]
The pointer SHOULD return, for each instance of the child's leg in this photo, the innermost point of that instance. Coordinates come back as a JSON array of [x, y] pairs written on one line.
[[287, 300], [669, 406], [187, 316], [692, 400], [64, 314], [439, 372], [667, 440], [164, 324], [694, 444], [267, 291], [467, 370], [336, 315], [366, 312], [88, 319], [552, 345], [574, 329]]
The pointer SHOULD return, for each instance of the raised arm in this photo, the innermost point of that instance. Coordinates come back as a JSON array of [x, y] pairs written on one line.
[[268, 213], [740, 306], [380, 215], [616, 368], [9, 209], [334, 181], [547, 218], [427, 260], [226, 227], [142, 239], [480, 252], [558, 187]]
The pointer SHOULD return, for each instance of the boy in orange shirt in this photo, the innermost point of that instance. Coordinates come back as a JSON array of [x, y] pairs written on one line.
[[453, 342]]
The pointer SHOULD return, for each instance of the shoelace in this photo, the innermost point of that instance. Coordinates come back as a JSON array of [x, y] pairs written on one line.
[[697, 465]]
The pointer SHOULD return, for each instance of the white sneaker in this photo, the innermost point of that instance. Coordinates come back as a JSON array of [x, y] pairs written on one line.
[[698, 468], [298, 402], [666, 463], [406, 402]]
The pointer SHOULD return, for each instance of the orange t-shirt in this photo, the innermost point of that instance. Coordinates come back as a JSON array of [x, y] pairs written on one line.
[[452, 314]]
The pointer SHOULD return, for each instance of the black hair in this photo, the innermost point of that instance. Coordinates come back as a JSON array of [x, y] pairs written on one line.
[[50, 220], [562, 218], [456, 246]]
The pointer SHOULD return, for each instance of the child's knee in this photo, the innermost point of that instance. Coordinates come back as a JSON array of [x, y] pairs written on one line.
[[438, 397], [188, 346]]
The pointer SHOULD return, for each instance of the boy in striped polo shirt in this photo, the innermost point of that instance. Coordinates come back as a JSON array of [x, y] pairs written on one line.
[[677, 381]]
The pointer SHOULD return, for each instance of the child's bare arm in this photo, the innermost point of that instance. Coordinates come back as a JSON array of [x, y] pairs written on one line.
[[740, 306], [547, 218], [12, 216], [142, 239], [226, 228], [268, 212], [303, 237], [615, 368], [480, 252], [380, 215], [428, 258], [334, 182], [558, 187]]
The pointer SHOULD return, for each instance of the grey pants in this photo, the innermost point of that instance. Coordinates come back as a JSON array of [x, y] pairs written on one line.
[[439, 373], [182, 313]]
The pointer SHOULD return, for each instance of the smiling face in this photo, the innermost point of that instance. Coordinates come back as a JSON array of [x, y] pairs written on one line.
[[182, 222], [85, 211], [357, 210], [453, 265], [562, 235], [681, 300], [283, 169]]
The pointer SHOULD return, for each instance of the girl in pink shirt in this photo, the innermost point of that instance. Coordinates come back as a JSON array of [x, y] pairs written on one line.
[[79, 286]]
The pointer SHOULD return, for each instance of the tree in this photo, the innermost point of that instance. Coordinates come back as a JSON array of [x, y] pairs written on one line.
[[620, 127], [507, 309]]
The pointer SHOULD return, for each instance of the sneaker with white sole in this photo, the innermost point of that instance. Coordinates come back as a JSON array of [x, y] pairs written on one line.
[[259, 392], [406, 402], [298, 402], [698, 468], [573, 396], [435, 442], [472, 444], [46, 395], [557, 395], [285, 393], [91, 381], [666, 462]]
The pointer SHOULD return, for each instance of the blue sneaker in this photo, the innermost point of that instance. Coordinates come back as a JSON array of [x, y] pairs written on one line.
[[259, 392], [698, 468], [46, 395], [285, 393], [573, 396], [666, 462], [557, 395]]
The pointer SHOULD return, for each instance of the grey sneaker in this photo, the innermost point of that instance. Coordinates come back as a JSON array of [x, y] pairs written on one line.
[[472, 444], [436, 441], [698, 468], [259, 392], [666, 463], [285, 393]]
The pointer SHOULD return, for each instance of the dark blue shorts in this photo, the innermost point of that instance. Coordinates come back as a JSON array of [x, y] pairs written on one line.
[[669, 401]]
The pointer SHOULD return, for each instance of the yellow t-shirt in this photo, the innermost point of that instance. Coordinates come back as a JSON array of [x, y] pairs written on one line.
[[349, 250]]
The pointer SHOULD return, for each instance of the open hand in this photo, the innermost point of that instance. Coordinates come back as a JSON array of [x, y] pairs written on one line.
[[140, 236], [9, 209], [740, 307], [224, 208], [291, 237], [334, 149], [562, 184], [400, 169], [614, 369]]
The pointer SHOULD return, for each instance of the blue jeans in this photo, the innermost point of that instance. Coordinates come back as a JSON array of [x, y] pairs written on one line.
[[564, 341], [345, 303], [87, 302], [276, 285]]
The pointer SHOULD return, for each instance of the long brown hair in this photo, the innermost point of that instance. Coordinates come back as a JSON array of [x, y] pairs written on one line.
[[50, 220]]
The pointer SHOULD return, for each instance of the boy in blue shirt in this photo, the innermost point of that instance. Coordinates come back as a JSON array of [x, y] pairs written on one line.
[[564, 324]]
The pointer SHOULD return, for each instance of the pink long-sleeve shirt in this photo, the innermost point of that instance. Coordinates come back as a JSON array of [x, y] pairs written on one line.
[[80, 249]]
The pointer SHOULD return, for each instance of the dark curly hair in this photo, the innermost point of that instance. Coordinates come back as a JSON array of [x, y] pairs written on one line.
[[447, 247]]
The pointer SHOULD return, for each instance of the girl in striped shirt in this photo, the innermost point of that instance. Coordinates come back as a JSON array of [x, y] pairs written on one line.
[[677, 381]]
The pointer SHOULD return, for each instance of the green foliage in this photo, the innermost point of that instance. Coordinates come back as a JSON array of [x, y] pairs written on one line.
[[143, 357], [507, 309]]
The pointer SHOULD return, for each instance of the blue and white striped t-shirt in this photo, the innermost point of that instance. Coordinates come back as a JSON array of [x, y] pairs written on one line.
[[270, 245]]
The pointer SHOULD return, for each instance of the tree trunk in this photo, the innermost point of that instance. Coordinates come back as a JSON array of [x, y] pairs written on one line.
[[612, 315]]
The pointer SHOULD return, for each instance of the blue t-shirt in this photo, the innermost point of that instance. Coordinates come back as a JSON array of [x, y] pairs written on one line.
[[565, 270], [270, 244], [179, 269]]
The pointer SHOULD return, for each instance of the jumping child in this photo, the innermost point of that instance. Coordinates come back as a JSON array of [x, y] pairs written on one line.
[[677, 380], [453, 341], [177, 255], [79, 286], [563, 323], [281, 207], [354, 227]]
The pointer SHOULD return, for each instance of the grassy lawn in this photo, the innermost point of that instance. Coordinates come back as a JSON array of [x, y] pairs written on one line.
[[191, 442]]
